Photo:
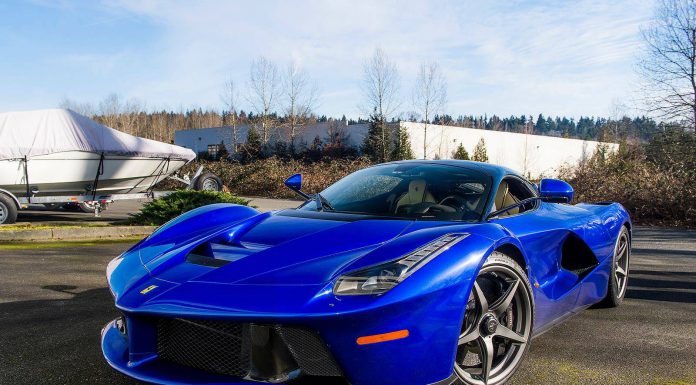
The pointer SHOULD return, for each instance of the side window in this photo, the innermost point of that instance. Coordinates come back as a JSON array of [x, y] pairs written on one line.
[[510, 191]]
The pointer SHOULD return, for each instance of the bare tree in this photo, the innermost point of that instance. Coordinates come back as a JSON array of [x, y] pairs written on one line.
[[86, 109], [429, 95], [300, 98], [229, 98], [109, 109], [381, 85], [264, 87], [122, 115], [670, 62]]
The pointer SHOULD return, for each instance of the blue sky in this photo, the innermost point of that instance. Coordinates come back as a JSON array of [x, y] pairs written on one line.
[[510, 57]]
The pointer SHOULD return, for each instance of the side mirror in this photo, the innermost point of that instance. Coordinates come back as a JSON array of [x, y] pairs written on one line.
[[294, 182], [555, 190]]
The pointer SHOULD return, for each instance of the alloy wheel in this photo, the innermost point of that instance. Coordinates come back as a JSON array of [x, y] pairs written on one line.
[[4, 213], [621, 264], [497, 327]]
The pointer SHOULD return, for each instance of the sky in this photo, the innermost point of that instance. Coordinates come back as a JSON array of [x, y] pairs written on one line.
[[572, 58]]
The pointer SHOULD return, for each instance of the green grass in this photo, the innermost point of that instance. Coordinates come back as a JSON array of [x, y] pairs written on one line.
[[64, 244], [29, 226]]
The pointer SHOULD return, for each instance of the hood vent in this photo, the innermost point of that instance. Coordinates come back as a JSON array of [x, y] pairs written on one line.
[[217, 254]]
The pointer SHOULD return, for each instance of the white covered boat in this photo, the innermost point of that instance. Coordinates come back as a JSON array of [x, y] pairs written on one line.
[[59, 152]]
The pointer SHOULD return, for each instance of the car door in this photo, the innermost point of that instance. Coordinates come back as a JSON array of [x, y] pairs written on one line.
[[542, 233]]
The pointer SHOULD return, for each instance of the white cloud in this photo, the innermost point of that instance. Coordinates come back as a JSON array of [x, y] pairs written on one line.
[[506, 57]]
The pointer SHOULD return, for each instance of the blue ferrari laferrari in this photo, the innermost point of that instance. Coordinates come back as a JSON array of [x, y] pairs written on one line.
[[405, 273]]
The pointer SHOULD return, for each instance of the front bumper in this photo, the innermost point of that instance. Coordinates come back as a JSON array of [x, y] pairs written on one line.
[[424, 357]]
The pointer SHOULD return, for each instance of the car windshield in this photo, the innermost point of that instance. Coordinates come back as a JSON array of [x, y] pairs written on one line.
[[409, 190]]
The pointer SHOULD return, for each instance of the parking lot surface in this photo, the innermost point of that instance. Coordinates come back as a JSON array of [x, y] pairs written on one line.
[[54, 301]]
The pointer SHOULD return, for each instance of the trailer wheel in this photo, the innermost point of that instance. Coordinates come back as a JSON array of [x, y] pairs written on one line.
[[8, 210], [208, 182]]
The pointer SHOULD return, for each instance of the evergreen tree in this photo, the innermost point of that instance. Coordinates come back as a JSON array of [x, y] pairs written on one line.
[[480, 152], [377, 144], [540, 126], [460, 153], [280, 150], [222, 154], [252, 148], [314, 151], [402, 145]]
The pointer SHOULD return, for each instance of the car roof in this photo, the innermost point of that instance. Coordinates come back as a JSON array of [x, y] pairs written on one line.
[[493, 170]]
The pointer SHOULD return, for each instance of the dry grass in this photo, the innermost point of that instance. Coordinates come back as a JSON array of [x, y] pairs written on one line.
[[656, 186]]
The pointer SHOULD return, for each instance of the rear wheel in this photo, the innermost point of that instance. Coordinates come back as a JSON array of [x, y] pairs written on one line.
[[618, 279], [8, 210], [497, 325]]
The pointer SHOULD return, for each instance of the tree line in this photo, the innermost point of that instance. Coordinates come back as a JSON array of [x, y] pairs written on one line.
[[283, 100]]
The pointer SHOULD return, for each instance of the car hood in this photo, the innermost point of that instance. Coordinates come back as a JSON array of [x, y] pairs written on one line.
[[284, 248]]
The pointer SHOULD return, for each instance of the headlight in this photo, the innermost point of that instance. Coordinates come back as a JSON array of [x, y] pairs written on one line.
[[381, 278]]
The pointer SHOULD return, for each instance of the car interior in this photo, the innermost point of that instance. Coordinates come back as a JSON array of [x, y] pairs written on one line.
[[434, 192], [511, 191]]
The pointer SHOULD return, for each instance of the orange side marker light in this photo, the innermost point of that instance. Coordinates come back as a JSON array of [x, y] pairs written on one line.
[[377, 338]]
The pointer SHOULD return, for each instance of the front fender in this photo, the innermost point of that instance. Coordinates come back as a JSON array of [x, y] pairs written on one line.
[[444, 284], [129, 269], [200, 219]]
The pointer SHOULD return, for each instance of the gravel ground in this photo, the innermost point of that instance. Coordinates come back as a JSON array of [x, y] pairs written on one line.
[[54, 301]]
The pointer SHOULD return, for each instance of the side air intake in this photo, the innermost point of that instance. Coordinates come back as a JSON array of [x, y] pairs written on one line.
[[577, 257]]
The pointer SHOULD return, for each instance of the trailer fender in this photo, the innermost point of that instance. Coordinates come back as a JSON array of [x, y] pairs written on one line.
[[14, 198]]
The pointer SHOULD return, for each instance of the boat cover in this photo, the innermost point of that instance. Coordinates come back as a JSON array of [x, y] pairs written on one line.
[[42, 132]]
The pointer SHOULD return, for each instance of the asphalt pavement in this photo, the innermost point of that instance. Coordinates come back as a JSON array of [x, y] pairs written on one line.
[[54, 301]]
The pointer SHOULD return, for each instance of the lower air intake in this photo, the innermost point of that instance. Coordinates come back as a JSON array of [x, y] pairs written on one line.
[[273, 353], [212, 346]]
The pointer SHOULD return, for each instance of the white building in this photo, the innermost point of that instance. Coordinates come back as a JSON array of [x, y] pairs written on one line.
[[532, 155], [207, 140]]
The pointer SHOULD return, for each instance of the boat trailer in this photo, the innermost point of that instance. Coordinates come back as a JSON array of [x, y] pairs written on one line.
[[91, 201]]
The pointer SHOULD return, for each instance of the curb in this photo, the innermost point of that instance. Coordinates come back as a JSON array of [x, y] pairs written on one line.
[[85, 233]]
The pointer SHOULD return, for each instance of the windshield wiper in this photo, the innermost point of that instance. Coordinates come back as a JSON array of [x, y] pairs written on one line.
[[322, 203]]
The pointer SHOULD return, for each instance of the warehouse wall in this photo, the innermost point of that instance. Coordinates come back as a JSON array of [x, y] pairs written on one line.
[[532, 155]]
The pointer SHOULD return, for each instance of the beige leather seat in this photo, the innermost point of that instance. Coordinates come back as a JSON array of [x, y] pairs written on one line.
[[503, 198], [417, 193]]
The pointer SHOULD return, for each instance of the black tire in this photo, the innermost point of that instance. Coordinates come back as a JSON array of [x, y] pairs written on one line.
[[8, 210], [208, 182], [510, 302], [618, 279]]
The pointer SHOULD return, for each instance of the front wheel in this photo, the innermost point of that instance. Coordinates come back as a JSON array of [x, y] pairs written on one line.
[[497, 324]]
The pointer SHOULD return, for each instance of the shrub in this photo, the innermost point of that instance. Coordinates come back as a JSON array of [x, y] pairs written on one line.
[[653, 182], [265, 177], [161, 210]]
